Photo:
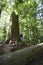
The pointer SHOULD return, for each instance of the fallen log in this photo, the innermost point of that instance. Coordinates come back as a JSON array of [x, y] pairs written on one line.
[[19, 57]]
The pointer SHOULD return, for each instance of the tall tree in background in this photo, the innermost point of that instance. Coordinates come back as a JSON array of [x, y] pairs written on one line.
[[14, 27]]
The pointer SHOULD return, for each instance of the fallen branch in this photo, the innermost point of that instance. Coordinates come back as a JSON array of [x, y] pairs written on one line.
[[19, 57]]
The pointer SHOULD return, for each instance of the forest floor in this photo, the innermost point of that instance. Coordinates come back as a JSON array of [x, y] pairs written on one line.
[[5, 47], [36, 61]]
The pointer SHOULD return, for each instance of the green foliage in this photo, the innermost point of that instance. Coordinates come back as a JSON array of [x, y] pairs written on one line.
[[27, 13], [2, 5], [28, 23]]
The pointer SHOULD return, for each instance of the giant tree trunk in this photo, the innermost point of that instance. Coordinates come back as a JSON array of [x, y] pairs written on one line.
[[14, 27], [20, 57]]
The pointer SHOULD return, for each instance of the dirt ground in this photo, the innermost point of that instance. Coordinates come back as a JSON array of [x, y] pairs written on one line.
[[36, 61]]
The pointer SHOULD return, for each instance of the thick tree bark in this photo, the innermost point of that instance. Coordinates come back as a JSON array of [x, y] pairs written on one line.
[[20, 57], [14, 27]]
